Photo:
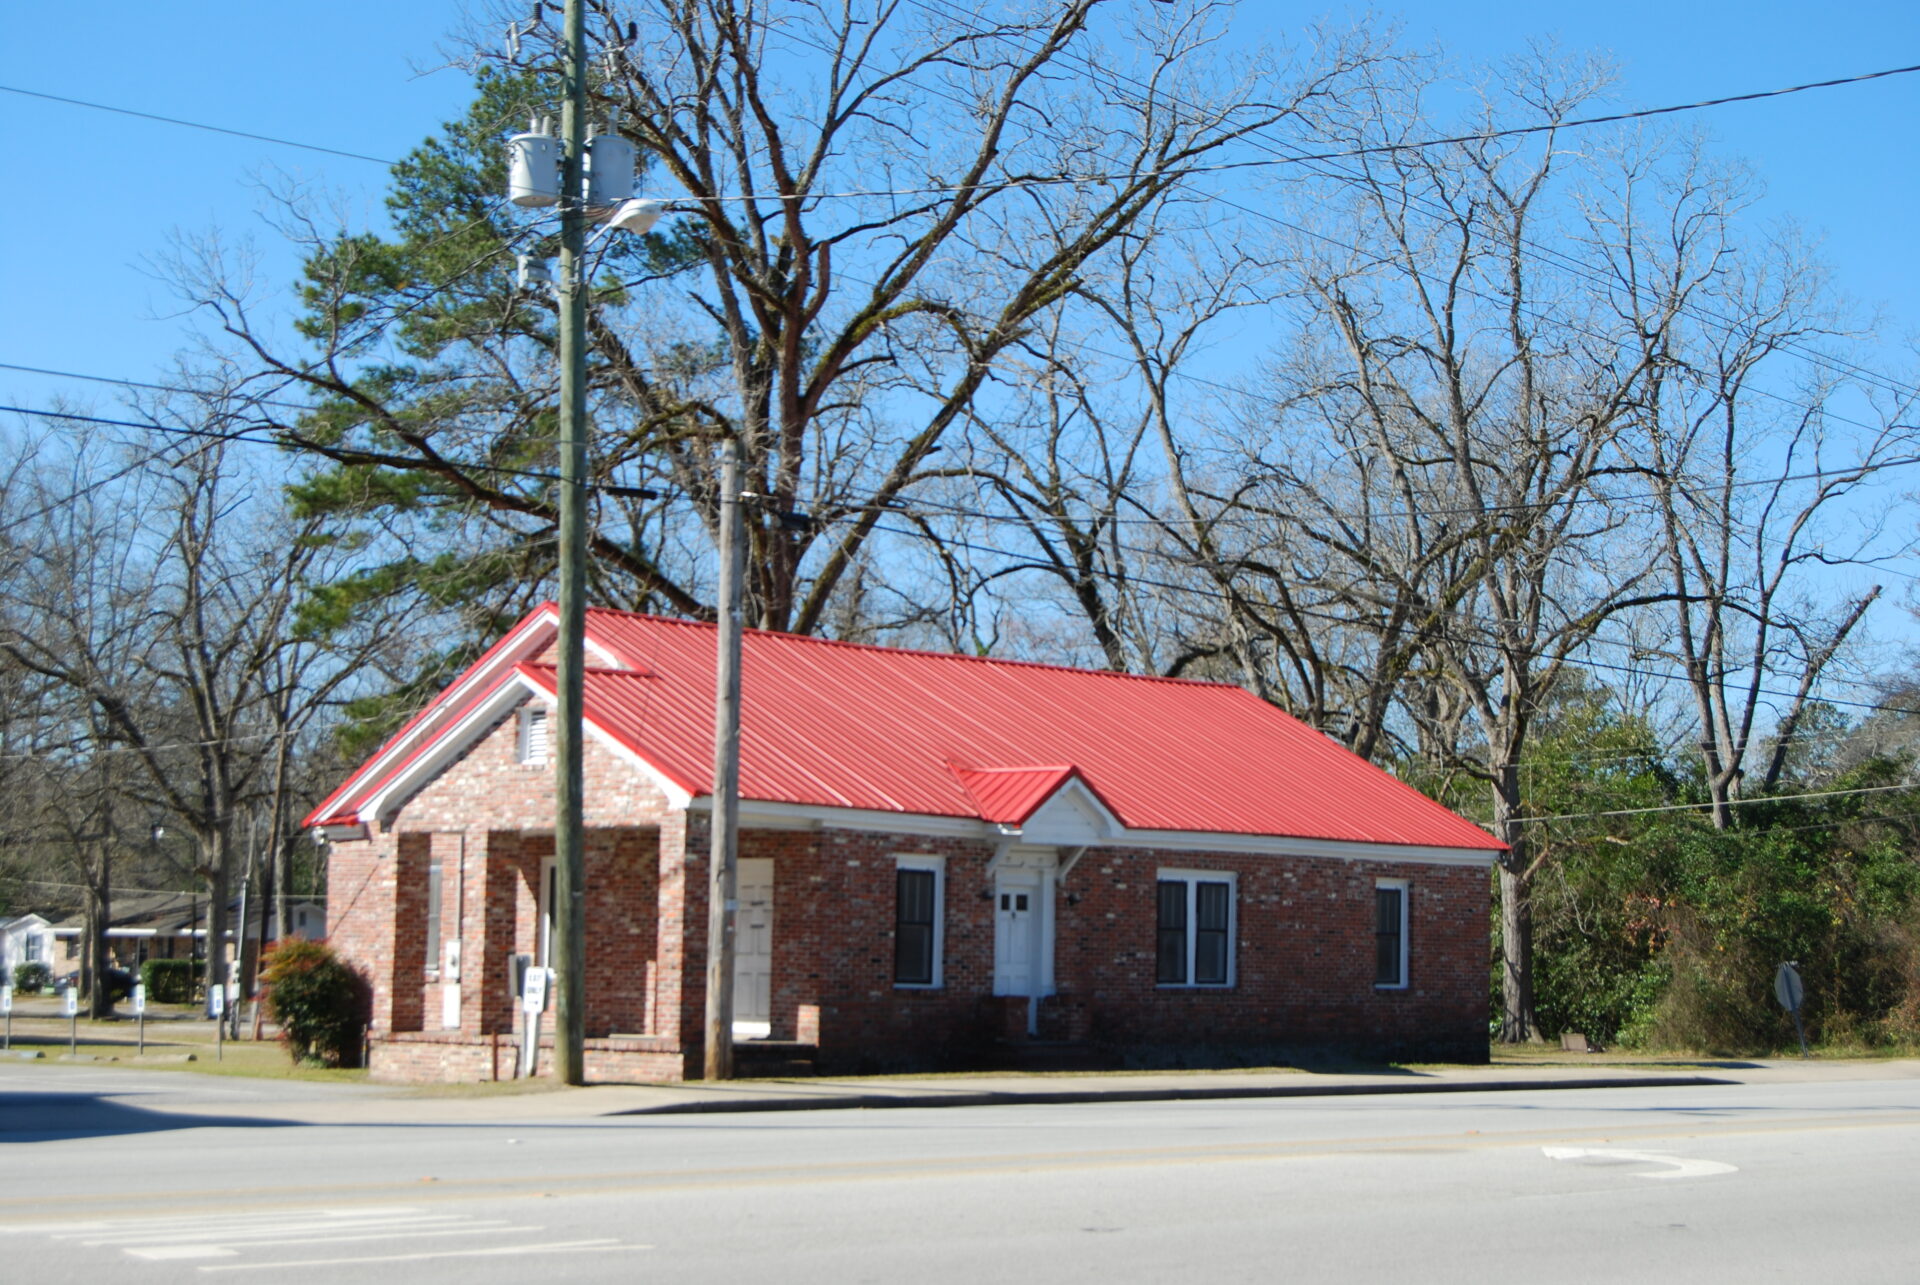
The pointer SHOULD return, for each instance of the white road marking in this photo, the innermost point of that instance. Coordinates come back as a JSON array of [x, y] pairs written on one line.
[[1674, 1166], [606, 1246], [480, 1229], [236, 1229], [185, 1237], [157, 1253]]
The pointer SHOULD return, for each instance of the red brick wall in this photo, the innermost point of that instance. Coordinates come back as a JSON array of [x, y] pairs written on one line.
[[1303, 949], [1304, 956], [489, 817]]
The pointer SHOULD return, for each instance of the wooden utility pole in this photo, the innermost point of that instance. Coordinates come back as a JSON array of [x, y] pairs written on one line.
[[722, 888], [569, 917]]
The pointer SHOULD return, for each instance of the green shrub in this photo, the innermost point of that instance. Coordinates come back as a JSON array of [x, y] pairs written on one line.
[[317, 1001], [170, 981], [31, 978]]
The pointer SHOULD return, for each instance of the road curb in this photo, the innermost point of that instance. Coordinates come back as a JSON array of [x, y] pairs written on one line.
[[1001, 1098]]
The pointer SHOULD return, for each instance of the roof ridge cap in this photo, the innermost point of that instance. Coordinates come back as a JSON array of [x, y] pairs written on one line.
[[817, 641]]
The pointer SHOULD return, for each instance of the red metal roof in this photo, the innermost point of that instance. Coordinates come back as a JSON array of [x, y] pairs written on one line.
[[841, 725]]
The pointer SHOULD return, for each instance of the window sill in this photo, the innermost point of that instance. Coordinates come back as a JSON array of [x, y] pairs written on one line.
[[919, 986], [1390, 987], [1193, 986]]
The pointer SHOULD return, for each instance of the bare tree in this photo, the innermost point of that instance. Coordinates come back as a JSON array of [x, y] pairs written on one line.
[[1759, 485], [152, 591], [882, 202]]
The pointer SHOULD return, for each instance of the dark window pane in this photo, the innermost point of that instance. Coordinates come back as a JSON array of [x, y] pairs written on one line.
[[1211, 901], [1172, 966], [913, 928], [1387, 936]]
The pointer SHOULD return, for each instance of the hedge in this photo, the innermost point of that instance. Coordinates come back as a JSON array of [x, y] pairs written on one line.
[[170, 981]]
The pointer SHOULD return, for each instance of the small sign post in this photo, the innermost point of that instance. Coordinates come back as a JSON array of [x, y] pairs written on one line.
[[140, 1013], [1790, 991], [217, 1002], [533, 1002], [6, 1006], [72, 994]]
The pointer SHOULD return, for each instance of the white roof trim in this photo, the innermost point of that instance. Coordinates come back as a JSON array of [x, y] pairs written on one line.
[[676, 796], [790, 815], [535, 630], [1062, 818], [452, 742], [456, 739]]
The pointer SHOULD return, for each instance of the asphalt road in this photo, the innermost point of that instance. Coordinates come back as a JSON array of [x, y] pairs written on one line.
[[1712, 1183]]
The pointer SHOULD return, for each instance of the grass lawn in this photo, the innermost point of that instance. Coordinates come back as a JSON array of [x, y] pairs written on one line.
[[169, 1036]]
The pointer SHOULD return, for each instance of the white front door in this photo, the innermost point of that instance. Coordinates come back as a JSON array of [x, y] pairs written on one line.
[[753, 948], [1017, 923]]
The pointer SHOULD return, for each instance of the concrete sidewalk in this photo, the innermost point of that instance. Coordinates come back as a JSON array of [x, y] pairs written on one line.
[[372, 1104], [298, 1102]]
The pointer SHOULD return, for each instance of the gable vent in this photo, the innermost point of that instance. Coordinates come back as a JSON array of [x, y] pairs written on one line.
[[533, 735]]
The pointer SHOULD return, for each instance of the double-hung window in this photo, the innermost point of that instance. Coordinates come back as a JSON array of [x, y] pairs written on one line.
[[1390, 934], [1194, 937], [919, 900]]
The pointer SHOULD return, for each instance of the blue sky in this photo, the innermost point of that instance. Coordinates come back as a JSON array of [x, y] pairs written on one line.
[[96, 198]]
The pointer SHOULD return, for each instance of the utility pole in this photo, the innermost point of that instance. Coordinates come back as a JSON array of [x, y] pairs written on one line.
[[570, 956], [722, 889]]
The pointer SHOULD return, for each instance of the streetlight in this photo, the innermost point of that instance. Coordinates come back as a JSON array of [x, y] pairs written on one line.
[[589, 180]]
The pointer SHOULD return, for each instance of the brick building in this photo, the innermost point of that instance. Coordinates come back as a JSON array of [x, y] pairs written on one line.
[[942, 859]]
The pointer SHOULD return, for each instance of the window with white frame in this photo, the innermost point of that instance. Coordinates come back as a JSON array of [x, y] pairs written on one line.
[[533, 735], [918, 917], [1194, 928], [1390, 903], [31, 948]]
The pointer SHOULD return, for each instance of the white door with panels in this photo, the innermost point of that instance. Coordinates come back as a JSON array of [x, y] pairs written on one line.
[[1023, 926], [753, 949]]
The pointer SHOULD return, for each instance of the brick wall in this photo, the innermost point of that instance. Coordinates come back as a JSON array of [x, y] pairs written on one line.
[[1303, 956], [1303, 945]]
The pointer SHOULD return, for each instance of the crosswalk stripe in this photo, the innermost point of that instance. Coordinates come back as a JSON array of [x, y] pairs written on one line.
[[230, 1248], [604, 1246], [230, 1232]]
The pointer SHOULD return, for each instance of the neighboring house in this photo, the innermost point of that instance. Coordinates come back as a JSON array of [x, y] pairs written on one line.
[[163, 925], [940, 857], [28, 939]]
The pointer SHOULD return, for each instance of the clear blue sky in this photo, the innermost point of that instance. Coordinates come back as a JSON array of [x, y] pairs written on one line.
[[93, 198]]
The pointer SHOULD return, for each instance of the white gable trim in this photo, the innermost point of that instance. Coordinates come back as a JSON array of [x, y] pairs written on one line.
[[1072, 816], [534, 633], [458, 738], [452, 742], [677, 795]]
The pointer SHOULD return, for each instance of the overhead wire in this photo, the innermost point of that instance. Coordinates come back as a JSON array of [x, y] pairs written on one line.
[[1286, 153]]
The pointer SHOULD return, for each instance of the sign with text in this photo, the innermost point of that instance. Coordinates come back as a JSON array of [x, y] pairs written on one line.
[[217, 1000], [72, 995], [140, 998], [6, 999], [533, 995]]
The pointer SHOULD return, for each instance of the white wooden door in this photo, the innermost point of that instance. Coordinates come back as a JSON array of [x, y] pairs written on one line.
[[1016, 933], [753, 949]]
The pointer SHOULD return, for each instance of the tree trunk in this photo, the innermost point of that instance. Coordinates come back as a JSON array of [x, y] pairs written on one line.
[[1517, 1021]]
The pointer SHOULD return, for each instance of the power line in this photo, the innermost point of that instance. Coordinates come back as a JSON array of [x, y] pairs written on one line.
[[194, 124], [1286, 153], [1024, 562], [1732, 803]]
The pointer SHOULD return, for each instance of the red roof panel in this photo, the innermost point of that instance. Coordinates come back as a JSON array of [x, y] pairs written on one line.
[[843, 725]]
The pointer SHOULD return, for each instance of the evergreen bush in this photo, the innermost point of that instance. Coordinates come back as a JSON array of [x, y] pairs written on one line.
[[31, 978], [169, 981], [317, 1001]]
